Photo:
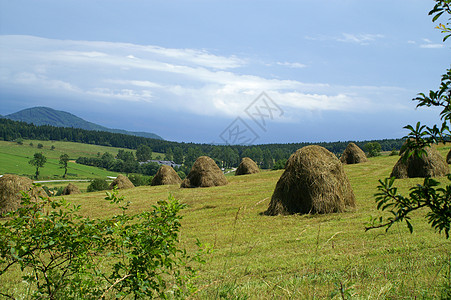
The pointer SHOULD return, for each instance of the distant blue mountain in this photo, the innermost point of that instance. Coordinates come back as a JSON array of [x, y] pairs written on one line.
[[49, 116]]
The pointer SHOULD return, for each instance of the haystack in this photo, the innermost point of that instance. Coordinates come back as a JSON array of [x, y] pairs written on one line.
[[430, 165], [166, 175], [247, 166], [448, 157], [353, 155], [314, 181], [204, 173], [122, 182], [10, 188], [71, 189]]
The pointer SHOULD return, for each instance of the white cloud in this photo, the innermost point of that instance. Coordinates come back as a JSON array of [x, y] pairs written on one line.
[[361, 39], [190, 80], [294, 65], [431, 46]]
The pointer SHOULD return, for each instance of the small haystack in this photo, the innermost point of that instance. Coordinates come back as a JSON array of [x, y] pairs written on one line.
[[204, 173], [71, 189], [353, 155], [247, 166], [122, 182], [314, 181], [431, 165], [166, 175], [10, 188], [448, 157]]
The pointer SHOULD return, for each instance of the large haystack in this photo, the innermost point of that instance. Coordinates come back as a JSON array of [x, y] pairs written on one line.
[[10, 188], [204, 173], [122, 182], [430, 165], [166, 175], [314, 181], [353, 155], [247, 166], [448, 157], [71, 189]]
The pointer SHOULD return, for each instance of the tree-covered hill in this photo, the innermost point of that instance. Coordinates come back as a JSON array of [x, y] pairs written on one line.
[[49, 116], [182, 153]]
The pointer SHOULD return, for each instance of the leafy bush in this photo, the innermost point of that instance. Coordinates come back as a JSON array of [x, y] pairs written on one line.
[[61, 254], [280, 164], [394, 152], [139, 180], [97, 184], [373, 149]]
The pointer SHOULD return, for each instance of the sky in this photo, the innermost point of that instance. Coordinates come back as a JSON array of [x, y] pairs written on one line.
[[235, 71]]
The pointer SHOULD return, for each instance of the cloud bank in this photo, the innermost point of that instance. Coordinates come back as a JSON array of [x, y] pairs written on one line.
[[187, 80]]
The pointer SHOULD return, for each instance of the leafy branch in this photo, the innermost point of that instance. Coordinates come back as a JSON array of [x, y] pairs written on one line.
[[427, 195]]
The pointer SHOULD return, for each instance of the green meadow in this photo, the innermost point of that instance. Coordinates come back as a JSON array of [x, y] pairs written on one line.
[[14, 159], [299, 256]]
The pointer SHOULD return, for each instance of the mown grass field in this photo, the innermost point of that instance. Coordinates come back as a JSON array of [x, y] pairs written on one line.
[[299, 256], [14, 159]]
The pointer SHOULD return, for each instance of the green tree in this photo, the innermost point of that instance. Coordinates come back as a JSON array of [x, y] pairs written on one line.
[[143, 153], [40, 146], [169, 155], [268, 161], [373, 149], [62, 254], [64, 159], [97, 184], [280, 164], [38, 161], [429, 195], [107, 160]]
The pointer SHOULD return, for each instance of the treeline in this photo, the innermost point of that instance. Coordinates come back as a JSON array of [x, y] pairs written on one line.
[[181, 153]]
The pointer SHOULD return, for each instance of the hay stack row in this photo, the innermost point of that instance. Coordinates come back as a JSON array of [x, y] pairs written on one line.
[[314, 180]]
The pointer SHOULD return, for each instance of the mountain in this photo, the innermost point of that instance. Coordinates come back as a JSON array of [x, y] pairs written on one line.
[[49, 116]]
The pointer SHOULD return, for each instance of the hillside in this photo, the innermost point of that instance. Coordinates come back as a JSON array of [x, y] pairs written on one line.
[[49, 116], [297, 256]]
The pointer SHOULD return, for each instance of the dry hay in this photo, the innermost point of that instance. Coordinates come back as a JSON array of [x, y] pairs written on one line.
[[166, 175], [10, 188], [204, 173], [353, 155], [430, 165], [71, 189], [122, 182], [448, 157], [247, 166], [314, 181]]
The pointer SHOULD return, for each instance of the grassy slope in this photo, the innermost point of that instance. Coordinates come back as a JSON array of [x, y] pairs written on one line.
[[299, 257], [14, 158]]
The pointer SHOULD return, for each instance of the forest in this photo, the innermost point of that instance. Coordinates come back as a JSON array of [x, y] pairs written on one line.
[[226, 156]]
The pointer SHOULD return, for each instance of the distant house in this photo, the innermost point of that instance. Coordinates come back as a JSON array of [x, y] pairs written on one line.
[[162, 162]]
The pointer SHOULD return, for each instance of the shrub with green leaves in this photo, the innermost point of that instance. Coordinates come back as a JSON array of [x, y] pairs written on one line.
[[373, 149], [97, 184], [61, 254], [139, 180], [280, 164]]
